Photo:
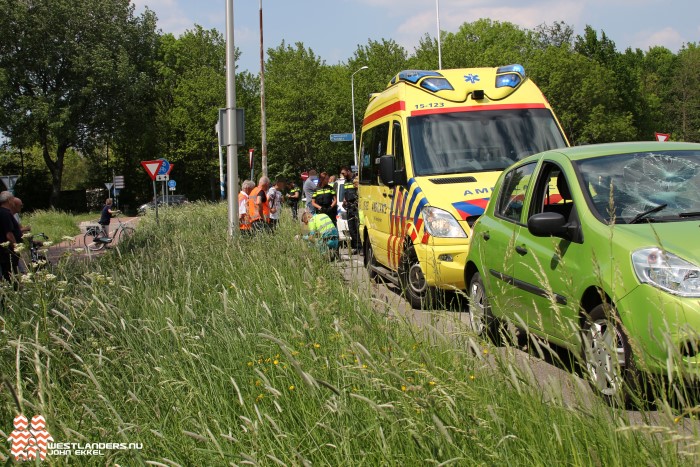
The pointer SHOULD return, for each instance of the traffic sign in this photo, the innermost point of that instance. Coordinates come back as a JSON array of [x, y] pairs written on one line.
[[172, 183], [119, 181], [109, 186], [338, 137], [662, 136], [162, 177], [164, 168], [152, 167]]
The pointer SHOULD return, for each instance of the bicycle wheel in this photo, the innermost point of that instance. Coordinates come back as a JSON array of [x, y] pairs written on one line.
[[125, 235], [91, 242]]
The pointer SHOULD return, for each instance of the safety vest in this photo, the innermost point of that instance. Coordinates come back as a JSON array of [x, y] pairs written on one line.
[[324, 196], [245, 222], [253, 212], [321, 225]]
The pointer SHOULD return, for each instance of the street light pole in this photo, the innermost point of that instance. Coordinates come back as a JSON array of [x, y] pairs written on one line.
[[352, 91], [437, 14], [232, 144]]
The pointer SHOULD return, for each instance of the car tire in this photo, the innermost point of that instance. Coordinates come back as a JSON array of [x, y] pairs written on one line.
[[607, 360], [481, 319], [369, 260], [413, 283]]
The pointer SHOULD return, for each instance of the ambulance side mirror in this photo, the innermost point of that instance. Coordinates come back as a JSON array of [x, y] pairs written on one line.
[[388, 173]]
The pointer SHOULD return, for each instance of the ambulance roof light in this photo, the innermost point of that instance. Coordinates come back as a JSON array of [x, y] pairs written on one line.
[[510, 76], [413, 76]]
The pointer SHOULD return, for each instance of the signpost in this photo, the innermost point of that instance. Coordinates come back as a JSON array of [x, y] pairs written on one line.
[[171, 185], [9, 181], [339, 137], [152, 168]]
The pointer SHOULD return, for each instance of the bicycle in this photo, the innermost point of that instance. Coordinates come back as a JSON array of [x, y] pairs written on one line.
[[96, 238], [37, 259]]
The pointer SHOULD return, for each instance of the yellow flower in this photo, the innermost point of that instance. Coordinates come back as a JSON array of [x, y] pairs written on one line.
[[291, 387], [432, 383], [259, 398], [403, 388], [471, 377], [251, 363], [258, 382], [364, 365], [276, 362], [677, 419], [486, 351], [316, 346]]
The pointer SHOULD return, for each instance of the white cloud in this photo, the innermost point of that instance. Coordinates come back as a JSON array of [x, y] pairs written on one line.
[[667, 37], [171, 17]]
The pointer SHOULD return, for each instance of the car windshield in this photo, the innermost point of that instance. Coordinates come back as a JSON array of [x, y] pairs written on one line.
[[483, 140], [654, 186]]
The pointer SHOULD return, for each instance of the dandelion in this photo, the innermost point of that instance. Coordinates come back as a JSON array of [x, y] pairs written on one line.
[[364, 365], [259, 398], [317, 346], [486, 351], [432, 383], [291, 387], [275, 362], [471, 377], [403, 388]]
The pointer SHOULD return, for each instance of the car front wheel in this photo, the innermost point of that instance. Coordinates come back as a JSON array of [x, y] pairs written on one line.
[[481, 320]]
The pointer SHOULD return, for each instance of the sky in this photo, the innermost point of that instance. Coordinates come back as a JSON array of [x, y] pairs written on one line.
[[333, 29]]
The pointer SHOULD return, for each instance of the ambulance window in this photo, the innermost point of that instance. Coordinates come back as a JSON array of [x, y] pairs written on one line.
[[397, 146], [373, 146]]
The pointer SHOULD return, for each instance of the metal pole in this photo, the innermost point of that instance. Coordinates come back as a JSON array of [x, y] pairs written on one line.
[[232, 148], [352, 91], [437, 13], [155, 200], [263, 119]]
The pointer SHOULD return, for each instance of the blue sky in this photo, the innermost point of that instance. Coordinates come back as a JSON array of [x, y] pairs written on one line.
[[334, 28]]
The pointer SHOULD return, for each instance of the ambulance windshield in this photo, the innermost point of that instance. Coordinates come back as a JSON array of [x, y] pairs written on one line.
[[479, 141]]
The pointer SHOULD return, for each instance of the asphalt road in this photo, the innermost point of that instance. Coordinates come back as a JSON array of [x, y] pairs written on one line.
[[557, 382]]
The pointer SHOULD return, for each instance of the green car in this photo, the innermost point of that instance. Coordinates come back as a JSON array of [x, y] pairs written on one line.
[[597, 249]]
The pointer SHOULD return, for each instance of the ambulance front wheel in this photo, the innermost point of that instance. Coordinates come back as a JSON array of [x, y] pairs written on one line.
[[415, 287], [369, 259]]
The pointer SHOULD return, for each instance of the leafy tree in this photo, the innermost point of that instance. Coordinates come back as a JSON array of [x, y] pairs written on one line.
[[685, 94], [70, 68]]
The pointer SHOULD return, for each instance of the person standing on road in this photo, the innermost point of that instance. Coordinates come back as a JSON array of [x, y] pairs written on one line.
[[9, 236], [243, 218], [106, 216], [293, 195], [309, 187], [258, 208], [350, 198], [274, 197], [324, 200]]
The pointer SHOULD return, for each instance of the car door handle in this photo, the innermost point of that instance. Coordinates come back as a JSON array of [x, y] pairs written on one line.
[[486, 236], [521, 250]]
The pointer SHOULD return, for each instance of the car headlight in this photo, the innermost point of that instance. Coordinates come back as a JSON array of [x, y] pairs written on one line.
[[440, 223], [667, 271]]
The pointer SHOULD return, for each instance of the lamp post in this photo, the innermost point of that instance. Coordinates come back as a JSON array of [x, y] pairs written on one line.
[[352, 90]]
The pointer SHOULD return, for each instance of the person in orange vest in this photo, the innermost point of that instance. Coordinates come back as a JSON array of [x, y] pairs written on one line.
[[258, 208], [244, 220]]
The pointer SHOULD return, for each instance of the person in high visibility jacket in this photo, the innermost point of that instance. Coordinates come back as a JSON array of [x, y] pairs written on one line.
[[244, 220], [322, 232], [258, 208]]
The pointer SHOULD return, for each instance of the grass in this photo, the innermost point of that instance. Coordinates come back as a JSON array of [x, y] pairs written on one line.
[[210, 351], [56, 224]]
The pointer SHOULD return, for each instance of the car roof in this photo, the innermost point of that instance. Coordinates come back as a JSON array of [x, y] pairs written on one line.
[[606, 149]]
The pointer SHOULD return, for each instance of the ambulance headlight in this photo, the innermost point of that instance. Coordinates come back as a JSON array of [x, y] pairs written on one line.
[[440, 223]]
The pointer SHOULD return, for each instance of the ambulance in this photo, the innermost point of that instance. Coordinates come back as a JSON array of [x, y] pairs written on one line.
[[433, 144]]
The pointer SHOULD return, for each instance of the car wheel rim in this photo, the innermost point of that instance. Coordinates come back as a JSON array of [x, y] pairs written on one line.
[[416, 279], [605, 357], [477, 312]]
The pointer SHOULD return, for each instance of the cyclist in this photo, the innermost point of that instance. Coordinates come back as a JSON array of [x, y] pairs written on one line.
[[106, 216]]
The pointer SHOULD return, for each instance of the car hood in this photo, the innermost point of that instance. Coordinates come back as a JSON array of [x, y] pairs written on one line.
[[461, 195], [679, 238]]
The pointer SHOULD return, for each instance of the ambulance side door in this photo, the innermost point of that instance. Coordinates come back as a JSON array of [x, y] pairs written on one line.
[[373, 194]]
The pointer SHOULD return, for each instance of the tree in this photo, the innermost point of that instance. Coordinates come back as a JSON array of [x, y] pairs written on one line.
[[685, 94], [70, 68]]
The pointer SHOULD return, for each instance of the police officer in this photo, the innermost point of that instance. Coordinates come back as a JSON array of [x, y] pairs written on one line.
[[293, 196], [350, 205], [324, 200]]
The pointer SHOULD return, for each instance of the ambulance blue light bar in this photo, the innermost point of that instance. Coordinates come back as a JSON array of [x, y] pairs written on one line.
[[510, 76], [413, 76]]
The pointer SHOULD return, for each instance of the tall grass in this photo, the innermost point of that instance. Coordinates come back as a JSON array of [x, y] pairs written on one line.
[[56, 224], [211, 351]]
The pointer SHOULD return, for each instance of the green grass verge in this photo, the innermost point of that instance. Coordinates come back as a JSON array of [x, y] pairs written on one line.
[[210, 351], [57, 224]]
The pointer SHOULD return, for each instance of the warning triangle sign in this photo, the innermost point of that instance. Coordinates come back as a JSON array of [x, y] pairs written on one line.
[[152, 167], [662, 136]]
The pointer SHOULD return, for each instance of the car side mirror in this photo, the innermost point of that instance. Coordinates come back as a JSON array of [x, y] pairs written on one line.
[[388, 173], [548, 224]]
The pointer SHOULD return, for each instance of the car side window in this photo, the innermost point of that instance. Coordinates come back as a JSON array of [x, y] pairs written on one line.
[[513, 190], [552, 193]]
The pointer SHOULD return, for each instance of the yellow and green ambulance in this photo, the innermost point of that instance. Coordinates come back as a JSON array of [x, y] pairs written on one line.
[[433, 144]]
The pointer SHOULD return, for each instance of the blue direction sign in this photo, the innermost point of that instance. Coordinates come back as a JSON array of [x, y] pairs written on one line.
[[338, 137], [164, 168], [171, 183]]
